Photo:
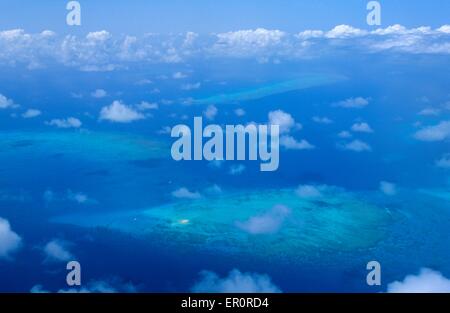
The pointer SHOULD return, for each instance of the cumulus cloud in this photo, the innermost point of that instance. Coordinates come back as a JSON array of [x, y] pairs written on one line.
[[31, 113], [38, 289], [353, 103], [103, 51], [345, 31], [120, 113], [179, 75], [70, 122], [444, 162], [190, 39], [78, 197], [322, 120], [184, 193], [235, 282], [210, 112], [237, 169], [427, 281], [309, 34], [6, 103], [284, 120], [437, 132], [57, 250], [214, 190], [99, 93], [216, 164], [192, 86], [444, 29], [266, 223], [396, 29], [112, 285], [362, 128], [239, 112], [249, 42], [144, 82], [429, 112], [165, 130], [144, 106], [388, 188], [356, 146], [344, 134], [9, 240], [259, 37], [290, 143], [102, 35]]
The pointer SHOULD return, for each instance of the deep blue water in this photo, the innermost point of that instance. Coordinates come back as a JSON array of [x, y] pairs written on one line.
[[118, 175]]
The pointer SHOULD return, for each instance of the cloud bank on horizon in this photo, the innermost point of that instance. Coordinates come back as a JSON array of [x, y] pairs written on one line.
[[102, 51]]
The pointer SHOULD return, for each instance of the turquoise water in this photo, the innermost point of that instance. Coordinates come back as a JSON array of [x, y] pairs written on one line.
[[307, 81], [109, 191]]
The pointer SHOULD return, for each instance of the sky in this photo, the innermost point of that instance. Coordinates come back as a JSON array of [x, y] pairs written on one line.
[[208, 16]]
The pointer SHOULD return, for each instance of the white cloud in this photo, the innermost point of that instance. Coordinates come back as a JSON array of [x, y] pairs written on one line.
[[237, 169], [190, 38], [266, 223], [12, 34], [345, 31], [444, 29], [388, 188], [48, 196], [362, 128], [76, 95], [144, 82], [38, 289], [257, 38], [284, 120], [437, 132], [427, 281], [103, 51], [98, 36], [179, 75], [6, 103], [144, 106], [165, 130], [99, 93], [31, 113], [356, 146], [120, 113], [9, 240], [214, 190], [70, 122], [210, 112], [344, 134], [235, 282], [308, 34], [184, 193], [351, 103], [429, 112], [112, 285], [308, 191], [189, 87], [216, 164], [322, 120], [291, 143], [57, 250], [444, 162], [239, 112], [78, 197], [390, 30]]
